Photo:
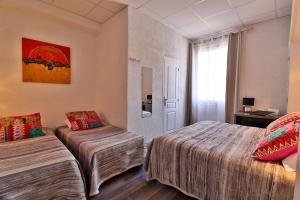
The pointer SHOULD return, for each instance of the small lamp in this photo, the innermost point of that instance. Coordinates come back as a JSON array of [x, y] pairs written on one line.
[[247, 104]]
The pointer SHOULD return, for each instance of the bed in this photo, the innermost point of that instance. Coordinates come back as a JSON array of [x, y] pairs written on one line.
[[103, 152], [212, 160], [39, 168]]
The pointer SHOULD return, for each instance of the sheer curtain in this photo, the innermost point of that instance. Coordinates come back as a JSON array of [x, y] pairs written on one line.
[[209, 69]]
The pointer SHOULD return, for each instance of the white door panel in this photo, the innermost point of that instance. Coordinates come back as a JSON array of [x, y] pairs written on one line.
[[171, 84], [171, 105], [171, 121], [171, 99]]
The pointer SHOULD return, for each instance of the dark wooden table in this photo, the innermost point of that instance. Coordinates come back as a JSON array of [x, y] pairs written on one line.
[[248, 119]]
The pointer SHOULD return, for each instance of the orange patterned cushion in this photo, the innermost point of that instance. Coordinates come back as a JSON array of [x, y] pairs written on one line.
[[291, 117], [81, 120], [20, 127]]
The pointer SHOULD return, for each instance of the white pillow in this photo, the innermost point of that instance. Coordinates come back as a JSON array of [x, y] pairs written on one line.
[[68, 123], [290, 162]]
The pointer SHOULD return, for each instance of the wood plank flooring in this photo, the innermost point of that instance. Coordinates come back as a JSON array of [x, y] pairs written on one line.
[[132, 185]]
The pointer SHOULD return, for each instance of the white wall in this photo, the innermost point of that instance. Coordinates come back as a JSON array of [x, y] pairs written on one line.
[[264, 72], [150, 42], [294, 95], [112, 57], [52, 100], [297, 183], [294, 83]]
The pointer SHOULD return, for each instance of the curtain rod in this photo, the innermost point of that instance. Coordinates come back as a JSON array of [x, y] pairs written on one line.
[[220, 34]]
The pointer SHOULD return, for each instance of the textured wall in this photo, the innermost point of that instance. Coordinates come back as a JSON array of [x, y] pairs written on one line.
[[265, 65], [150, 42], [52, 100], [112, 57]]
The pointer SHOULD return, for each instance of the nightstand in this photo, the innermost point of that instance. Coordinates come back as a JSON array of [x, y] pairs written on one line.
[[248, 119]]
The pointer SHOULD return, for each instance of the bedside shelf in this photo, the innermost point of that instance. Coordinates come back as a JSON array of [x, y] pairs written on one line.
[[248, 119]]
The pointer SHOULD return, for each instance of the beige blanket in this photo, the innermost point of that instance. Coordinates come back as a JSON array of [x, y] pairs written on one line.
[[103, 152], [211, 161], [39, 168]]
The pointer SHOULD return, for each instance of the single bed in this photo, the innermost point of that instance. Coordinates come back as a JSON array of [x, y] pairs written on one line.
[[212, 161], [103, 152], [39, 168]]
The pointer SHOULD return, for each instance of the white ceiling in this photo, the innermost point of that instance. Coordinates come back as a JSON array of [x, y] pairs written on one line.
[[96, 10], [191, 18]]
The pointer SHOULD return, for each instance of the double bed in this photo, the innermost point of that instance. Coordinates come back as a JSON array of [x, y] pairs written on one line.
[[103, 152], [39, 168], [212, 160]]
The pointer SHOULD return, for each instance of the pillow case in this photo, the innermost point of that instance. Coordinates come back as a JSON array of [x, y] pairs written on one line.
[[291, 117], [279, 144], [20, 127], [82, 120], [290, 162]]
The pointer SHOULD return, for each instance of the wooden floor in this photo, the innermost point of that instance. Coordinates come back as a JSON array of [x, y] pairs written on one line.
[[132, 185]]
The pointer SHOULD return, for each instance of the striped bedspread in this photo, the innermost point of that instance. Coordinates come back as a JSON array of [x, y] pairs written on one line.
[[211, 161], [103, 152], [39, 168]]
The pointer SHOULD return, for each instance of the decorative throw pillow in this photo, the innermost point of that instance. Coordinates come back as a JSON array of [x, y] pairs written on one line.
[[291, 117], [279, 144], [20, 127], [82, 120], [290, 162]]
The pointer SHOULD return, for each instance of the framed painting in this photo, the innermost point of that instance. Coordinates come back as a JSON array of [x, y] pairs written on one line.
[[45, 62]]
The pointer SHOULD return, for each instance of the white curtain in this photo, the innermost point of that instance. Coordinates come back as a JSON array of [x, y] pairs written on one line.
[[209, 68]]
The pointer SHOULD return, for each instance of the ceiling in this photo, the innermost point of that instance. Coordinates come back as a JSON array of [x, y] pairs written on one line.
[[190, 18], [193, 18], [96, 10]]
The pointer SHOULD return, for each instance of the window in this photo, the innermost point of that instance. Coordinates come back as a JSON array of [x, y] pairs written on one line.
[[209, 80]]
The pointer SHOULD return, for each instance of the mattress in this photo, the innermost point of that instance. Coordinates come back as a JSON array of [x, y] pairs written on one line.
[[212, 161], [103, 152], [39, 168]]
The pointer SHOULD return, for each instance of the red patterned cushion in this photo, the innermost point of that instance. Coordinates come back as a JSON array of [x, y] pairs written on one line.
[[279, 144], [82, 120], [20, 127], [291, 117]]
